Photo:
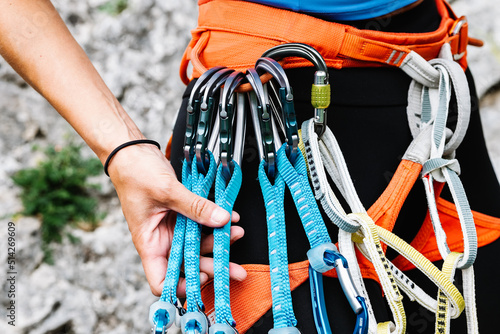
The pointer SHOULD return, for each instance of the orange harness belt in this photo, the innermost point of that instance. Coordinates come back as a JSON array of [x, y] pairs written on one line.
[[236, 33]]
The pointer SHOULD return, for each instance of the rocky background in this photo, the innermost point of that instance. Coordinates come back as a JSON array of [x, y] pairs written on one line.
[[97, 285]]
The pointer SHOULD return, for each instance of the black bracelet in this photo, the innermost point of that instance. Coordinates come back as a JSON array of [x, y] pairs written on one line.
[[129, 143]]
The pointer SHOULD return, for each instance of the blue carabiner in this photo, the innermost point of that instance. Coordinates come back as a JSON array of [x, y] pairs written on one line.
[[194, 323], [161, 322], [357, 303], [318, 301]]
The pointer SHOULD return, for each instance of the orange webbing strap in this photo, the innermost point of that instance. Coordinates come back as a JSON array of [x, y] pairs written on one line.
[[487, 227], [236, 33], [251, 299], [385, 210]]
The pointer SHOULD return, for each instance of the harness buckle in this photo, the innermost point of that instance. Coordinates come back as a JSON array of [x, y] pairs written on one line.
[[460, 28]]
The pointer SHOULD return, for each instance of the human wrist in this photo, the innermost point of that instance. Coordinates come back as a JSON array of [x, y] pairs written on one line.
[[125, 145], [126, 163]]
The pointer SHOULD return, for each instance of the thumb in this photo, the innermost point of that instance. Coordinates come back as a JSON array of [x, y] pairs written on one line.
[[195, 207]]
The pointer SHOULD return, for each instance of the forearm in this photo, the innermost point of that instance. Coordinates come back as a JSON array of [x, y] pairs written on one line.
[[38, 45]]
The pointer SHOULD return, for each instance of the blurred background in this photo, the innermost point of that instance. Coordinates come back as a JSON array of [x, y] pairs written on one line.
[[87, 277]]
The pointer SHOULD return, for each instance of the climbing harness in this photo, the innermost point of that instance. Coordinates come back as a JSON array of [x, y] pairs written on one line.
[[435, 61], [240, 40]]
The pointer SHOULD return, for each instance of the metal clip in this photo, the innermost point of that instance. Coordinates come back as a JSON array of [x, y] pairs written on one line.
[[320, 100], [260, 108], [228, 150], [286, 104], [193, 112], [320, 93], [356, 302], [456, 29], [205, 118]]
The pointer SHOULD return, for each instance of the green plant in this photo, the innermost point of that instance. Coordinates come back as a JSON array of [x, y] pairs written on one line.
[[114, 7], [57, 190]]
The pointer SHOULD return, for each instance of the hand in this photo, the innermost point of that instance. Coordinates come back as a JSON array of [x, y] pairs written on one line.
[[150, 196]]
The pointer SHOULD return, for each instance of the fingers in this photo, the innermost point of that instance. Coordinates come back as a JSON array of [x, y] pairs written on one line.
[[236, 272], [207, 243], [195, 207], [181, 287], [155, 269], [235, 217]]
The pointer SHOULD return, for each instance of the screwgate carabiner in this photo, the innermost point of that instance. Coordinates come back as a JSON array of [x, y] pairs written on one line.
[[320, 92]]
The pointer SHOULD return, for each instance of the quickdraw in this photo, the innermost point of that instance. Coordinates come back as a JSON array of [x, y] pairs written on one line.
[[323, 255], [227, 186]]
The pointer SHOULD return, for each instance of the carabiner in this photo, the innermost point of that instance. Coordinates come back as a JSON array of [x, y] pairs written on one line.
[[194, 323], [226, 118], [193, 112], [320, 92], [285, 95], [262, 108], [206, 117], [161, 316], [318, 302], [321, 259]]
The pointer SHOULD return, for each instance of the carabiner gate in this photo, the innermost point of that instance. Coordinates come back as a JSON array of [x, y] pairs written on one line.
[[266, 133], [285, 96], [228, 150], [357, 303], [205, 118], [193, 112]]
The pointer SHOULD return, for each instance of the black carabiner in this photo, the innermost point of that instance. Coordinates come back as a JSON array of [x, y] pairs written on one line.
[[226, 116], [193, 112], [285, 95], [206, 117], [265, 122]]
